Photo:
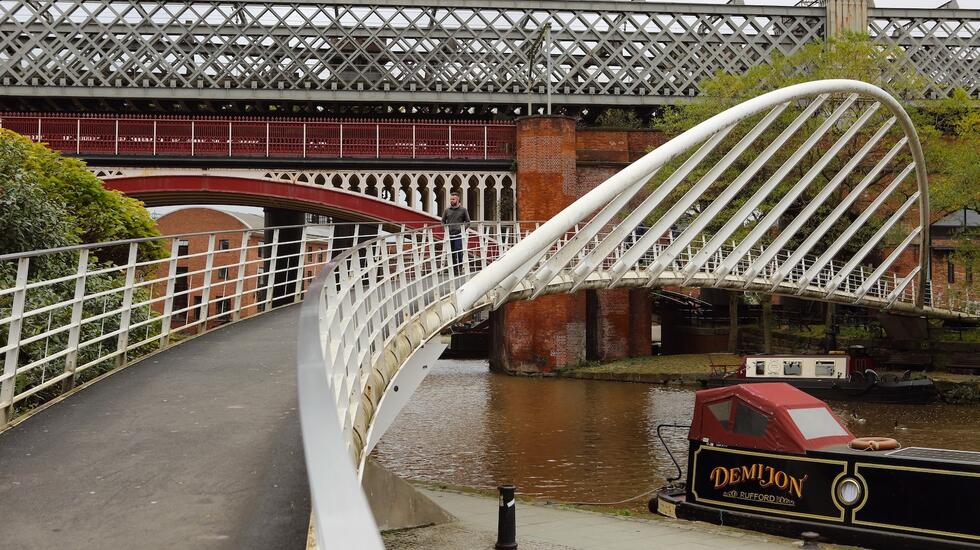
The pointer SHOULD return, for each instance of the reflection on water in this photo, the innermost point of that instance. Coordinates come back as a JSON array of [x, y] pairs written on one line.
[[584, 440]]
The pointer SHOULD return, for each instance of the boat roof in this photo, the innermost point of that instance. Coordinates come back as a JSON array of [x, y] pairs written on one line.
[[766, 416]]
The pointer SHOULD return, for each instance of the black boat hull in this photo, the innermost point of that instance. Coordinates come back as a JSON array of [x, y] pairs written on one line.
[[884, 391], [912, 498], [669, 503]]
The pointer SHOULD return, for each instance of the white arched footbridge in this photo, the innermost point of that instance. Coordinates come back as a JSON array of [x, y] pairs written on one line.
[[824, 211]]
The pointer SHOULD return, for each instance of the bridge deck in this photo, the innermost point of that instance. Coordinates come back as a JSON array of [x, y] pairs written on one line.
[[196, 447]]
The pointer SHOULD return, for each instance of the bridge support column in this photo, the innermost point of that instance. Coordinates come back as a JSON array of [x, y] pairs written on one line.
[[287, 252], [641, 323], [537, 337], [847, 16]]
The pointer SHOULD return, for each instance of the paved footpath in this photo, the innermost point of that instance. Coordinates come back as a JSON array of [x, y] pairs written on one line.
[[546, 527], [195, 447]]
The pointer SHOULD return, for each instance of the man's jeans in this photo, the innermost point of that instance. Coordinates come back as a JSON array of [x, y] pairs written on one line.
[[456, 243]]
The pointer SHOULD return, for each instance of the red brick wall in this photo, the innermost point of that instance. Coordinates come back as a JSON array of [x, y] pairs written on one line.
[[640, 322], [613, 324], [550, 332], [190, 220], [616, 146], [195, 220]]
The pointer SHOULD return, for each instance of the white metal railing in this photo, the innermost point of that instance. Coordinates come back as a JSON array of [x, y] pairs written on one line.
[[381, 305], [67, 314]]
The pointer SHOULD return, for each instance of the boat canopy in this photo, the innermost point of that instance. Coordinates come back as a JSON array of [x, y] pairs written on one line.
[[770, 417]]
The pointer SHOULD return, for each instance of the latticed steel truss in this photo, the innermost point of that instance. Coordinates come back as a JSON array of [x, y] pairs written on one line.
[[941, 45], [401, 52], [470, 52]]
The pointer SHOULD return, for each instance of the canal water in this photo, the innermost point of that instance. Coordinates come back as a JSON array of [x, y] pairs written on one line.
[[589, 441]]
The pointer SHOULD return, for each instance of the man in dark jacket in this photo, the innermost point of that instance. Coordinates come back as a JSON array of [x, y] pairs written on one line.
[[456, 219]]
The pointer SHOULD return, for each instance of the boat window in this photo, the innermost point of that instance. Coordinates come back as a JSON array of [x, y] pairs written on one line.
[[816, 422], [749, 421], [792, 368], [722, 411], [760, 368], [824, 368]]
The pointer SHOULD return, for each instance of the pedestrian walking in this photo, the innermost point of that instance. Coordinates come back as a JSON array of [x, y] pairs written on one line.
[[456, 219]]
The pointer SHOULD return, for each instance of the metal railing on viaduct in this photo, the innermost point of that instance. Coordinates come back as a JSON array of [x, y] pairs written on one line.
[[243, 138], [112, 53]]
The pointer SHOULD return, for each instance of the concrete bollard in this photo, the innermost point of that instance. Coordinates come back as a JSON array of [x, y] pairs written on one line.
[[507, 519]]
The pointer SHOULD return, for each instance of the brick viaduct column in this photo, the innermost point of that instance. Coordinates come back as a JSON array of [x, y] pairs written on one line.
[[549, 332], [553, 331]]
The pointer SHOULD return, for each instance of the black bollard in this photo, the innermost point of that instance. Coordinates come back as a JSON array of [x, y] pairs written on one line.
[[507, 519]]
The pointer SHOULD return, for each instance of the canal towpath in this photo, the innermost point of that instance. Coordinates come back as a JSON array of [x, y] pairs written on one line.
[[553, 527]]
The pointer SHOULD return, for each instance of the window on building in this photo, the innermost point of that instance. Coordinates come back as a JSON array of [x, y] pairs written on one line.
[[183, 247], [222, 307], [319, 257], [192, 314], [224, 244], [950, 271], [969, 274], [222, 273]]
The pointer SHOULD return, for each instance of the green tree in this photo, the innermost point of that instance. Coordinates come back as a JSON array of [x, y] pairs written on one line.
[[46, 202], [94, 213], [951, 158]]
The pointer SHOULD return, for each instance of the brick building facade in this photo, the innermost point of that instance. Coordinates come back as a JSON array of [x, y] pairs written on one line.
[[228, 270]]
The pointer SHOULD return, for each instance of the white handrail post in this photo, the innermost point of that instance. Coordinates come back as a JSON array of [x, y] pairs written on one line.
[[377, 141], [122, 341], [270, 274], [267, 140], [74, 333], [154, 138], [168, 301], [206, 291], [229, 138], [240, 277], [193, 132], [117, 137], [300, 266], [9, 382], [413, 141], [78, 136]]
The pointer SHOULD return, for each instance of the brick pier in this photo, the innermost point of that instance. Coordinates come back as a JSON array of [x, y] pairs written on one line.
[[556, 165]]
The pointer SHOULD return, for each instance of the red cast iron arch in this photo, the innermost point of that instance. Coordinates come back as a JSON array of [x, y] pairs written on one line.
[[174, 190]]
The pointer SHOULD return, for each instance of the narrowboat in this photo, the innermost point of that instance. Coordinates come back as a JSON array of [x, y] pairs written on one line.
[[832, 377], [772, 458]]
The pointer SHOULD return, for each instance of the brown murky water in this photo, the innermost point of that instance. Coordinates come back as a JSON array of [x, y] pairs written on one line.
[[589, 441]]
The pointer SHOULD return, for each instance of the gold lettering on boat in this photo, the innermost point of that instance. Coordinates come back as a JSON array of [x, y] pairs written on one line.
[[766, 476]]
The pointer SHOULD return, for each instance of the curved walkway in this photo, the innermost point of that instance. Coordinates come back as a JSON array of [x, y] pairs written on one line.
[[195, 447]]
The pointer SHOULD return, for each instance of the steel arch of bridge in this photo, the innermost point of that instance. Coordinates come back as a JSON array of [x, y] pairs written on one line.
[[393, 51], [375, 195], [371, 322]]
